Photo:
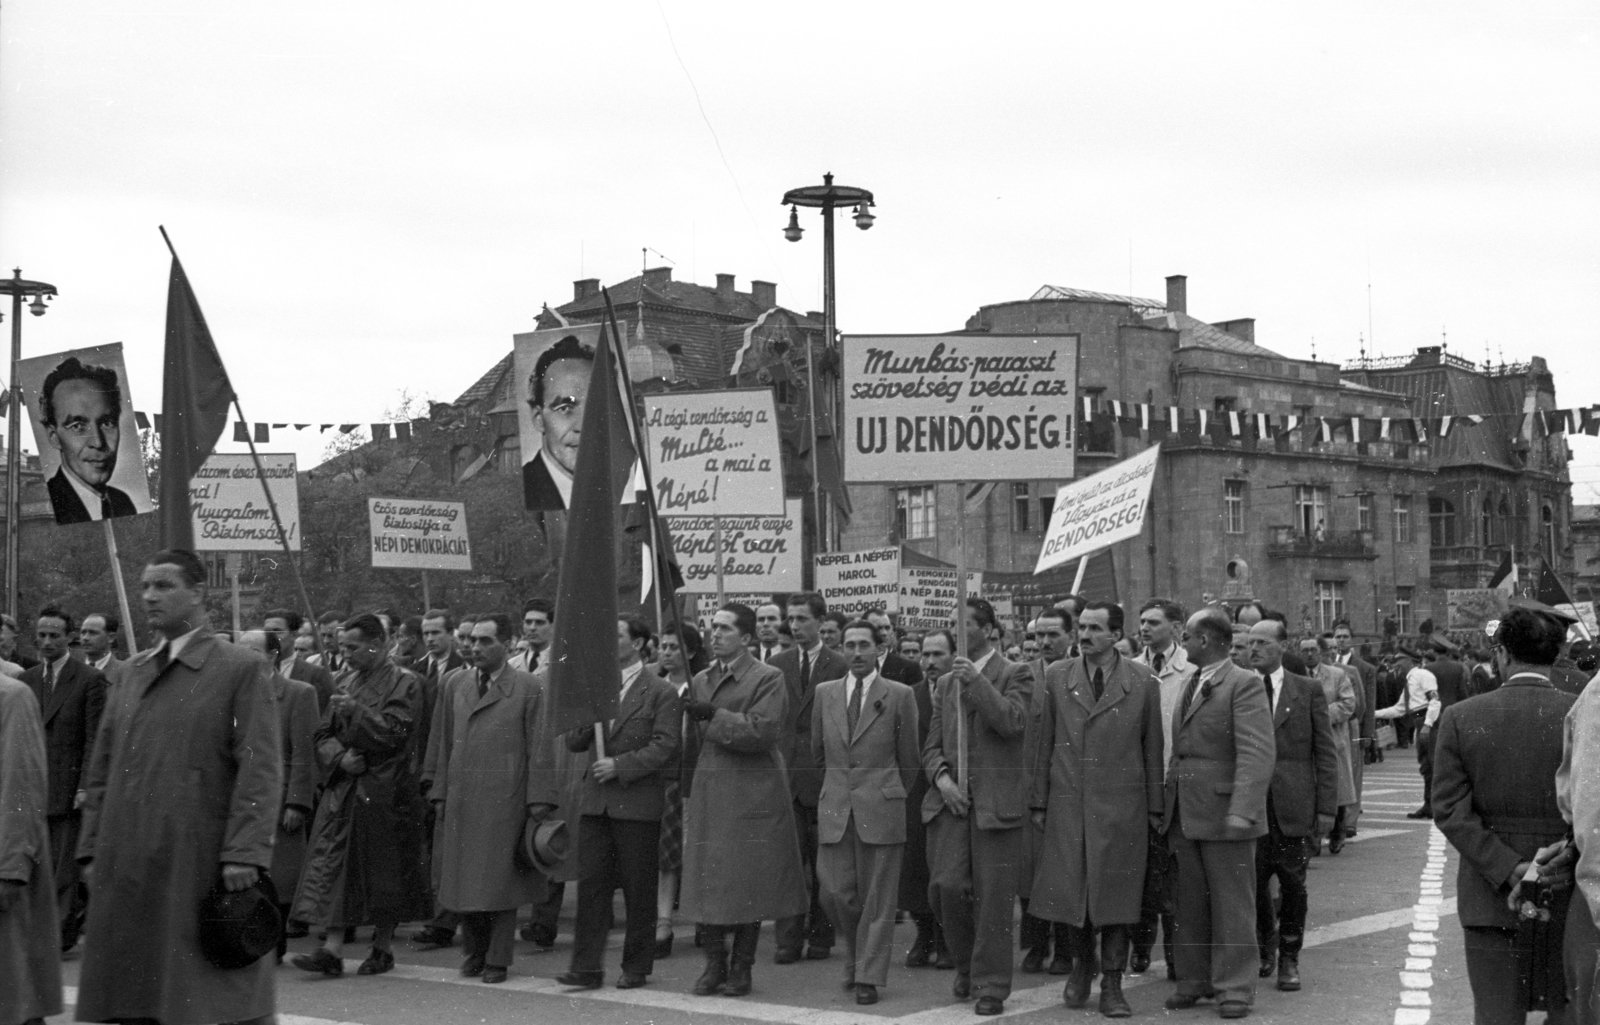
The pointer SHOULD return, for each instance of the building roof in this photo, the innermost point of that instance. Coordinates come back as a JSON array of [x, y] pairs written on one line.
[[686, 296], [485, 386], [1446, 390], [1143, 307], [1194, 333]]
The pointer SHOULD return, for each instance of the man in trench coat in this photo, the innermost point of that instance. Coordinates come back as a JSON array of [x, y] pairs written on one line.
[[975, 826], [168, 820], [1053, 629], [489, 775], [1339, 688], [30, 936], [741, 857], [863, 733], [366, 865], [1096, 797]]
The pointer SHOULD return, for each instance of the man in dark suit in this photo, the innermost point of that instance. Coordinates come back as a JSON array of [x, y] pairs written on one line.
[[619, 833], [804, 666], [438, 661], [556, 390], [81, 412], [1301, 802], [1053, 631], [286, 623], [864, 735], [1217, 782], [975, 824], [1495, 761], [72, 697], [891, 664], [98, 632]]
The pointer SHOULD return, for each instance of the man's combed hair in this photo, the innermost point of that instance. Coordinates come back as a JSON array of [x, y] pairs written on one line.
[[567, 348], [811, 600], [983, 612], [369, 626], [1531, 637], [71, 369], [290, 617], [194, 571], [444, 614], [744, 617], [1215, 623], [1113, 613], [54, 611], [503, 629], [1170, 610]]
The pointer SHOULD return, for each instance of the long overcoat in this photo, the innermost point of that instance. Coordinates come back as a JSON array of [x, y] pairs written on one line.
[[297, 723], [1031, 760], [30, 934], [187, 776], [741, 854], [487, 765], [1341, 695], [366, 862], [1098, 779]]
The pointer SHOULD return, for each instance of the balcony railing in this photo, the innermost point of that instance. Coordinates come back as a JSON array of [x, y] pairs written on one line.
[[1291, 542]]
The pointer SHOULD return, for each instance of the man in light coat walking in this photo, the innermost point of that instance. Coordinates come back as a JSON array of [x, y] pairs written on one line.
[[863, 733], [30, 934]]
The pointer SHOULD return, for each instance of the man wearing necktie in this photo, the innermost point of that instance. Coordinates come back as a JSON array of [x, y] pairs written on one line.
[[71, 697], [864, 734], [1216, 808], [1301, 801], [803, 666], [434, 667], [487, 774], [620, 808], [1096, 797], [768, 644]]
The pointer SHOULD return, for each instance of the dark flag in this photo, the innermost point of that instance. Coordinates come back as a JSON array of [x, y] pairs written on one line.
[[1550, 590], [584, 676], [194, 405]]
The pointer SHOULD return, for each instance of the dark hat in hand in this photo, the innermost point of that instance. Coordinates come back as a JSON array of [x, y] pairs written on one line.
[[545, 845], [237, 929]]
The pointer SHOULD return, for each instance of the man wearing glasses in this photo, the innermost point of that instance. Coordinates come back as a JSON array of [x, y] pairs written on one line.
[[556, 391]]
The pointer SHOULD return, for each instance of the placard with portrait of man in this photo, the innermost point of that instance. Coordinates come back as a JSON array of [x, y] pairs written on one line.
[[551, 380], [82, 415]]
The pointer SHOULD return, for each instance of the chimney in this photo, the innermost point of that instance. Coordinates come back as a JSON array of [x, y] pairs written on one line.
[[584, 288], [1243, 327], [657, 277], [725, 287], [1177, 294], [764, 294]]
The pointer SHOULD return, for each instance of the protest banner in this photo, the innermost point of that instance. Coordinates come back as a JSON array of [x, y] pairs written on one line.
[[1099, 510], [415, 533], [715, 453], [1584, 613], [548, 395], [230, 512], [81, 412], [760, 554], [706, 605], [928, 597], [1472, 608], [947, 408], [856, 582], [1005, 609]]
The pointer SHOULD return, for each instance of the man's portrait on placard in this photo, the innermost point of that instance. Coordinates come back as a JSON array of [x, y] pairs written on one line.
[[552, 370], [83, 421]]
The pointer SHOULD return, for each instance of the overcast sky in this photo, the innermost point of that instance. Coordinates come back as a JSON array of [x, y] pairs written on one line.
[[370, 197]]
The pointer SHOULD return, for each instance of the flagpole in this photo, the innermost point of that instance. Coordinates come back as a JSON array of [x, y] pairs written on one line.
[[122, 588], [283, 538], [961, 640]]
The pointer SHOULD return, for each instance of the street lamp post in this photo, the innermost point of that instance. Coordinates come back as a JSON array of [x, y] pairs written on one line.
[[17, 287], [826, 196]]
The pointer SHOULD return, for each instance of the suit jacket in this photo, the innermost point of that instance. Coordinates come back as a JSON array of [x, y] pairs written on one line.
[[71, 713], [644, 740], [1369, 686], [539, 489], [867, 773], [1222, 757], [897, 667], [1452, 677], [997, 706], [432, 684], [69, 508], [805, 771], [315, 675], [1495, 759], [1306, 769], [114, 670]]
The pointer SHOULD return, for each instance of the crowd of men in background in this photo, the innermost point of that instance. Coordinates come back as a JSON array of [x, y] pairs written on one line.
[[1124, 779]]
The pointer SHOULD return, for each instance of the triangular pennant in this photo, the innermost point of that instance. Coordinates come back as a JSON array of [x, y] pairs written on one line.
[[279, 427], [301, 427], [380, 432], [1116, 408], [262, 435], [1383, 428], [324, 428], [1235, 430], [402, 432], [1174, 420], [1325, 430], [1205, 421], [140, 419], [347, 428], [1263, 425], [1144, 416], [1445, 423]]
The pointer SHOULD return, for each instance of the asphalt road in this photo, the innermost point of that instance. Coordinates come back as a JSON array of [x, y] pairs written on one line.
[[1383, 946]]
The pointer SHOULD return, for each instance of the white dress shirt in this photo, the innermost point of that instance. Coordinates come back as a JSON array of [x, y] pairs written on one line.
[[1275, 690], [1422, 691]]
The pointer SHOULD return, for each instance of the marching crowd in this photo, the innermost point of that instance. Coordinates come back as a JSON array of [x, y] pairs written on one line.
[[1168, 778]]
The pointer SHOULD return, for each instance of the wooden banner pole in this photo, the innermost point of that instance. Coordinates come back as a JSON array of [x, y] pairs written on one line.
[[122, 588], [961, 636]]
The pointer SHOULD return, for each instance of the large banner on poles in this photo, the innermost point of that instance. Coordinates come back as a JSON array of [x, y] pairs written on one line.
[[715, 453], [416, 533], [1100, 510], [760, 554], [82, 416], [230, 510], [857, 582], [958, 408]]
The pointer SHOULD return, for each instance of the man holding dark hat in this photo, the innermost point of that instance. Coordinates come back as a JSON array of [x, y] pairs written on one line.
[[489, 776], [218, 788]]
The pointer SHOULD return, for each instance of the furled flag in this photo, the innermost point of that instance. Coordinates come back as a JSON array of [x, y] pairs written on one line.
[[1550, 590], [585, 679], [194, 404], [1505, 578]]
